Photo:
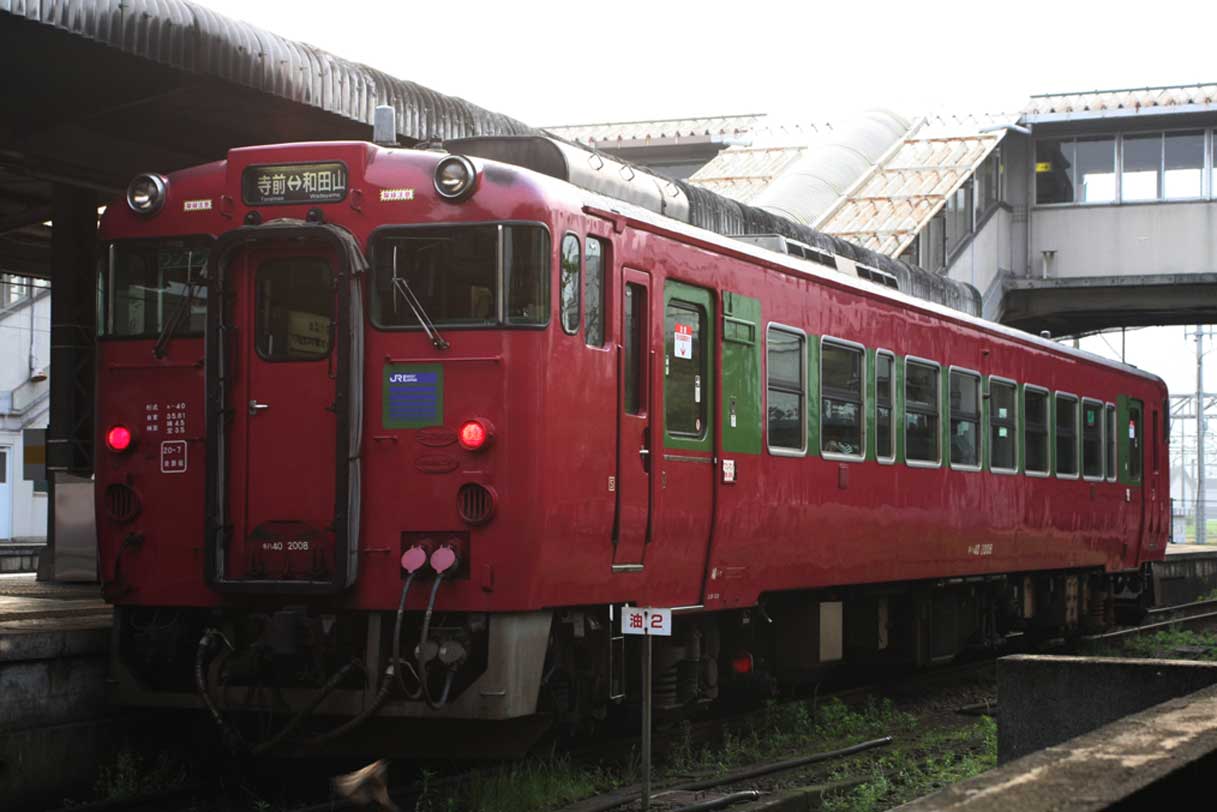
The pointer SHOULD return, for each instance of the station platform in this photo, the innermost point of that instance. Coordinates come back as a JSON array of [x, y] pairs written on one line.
[[1153, 759], [54, 720], [1188, 573]]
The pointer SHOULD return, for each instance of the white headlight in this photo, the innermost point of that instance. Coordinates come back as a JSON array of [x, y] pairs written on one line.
[[146, 193], [455, 177]]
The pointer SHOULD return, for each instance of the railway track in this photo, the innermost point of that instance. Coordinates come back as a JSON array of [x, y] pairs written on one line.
[[1197, 614]]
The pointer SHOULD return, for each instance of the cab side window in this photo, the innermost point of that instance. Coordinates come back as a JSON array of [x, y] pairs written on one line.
[[569, 284], [594, 258]]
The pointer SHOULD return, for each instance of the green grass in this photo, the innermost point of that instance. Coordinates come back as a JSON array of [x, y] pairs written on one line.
[[1174, 644], [131, 775], [917, 767], [528, 786]]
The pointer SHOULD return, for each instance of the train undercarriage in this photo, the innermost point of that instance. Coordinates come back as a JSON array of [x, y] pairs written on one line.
[[290, 679]]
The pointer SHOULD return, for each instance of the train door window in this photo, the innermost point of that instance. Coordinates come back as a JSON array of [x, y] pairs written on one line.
[[965, 419], [685, 366], [1109, 432], [595, 255], [785, 362], [1092, 439], [921, 411], [1134, 441], [841, 365], [294, 309], [1066, 435], [885, 395], [1035, 431], [635, 346], [1003, 426], [569, 284]]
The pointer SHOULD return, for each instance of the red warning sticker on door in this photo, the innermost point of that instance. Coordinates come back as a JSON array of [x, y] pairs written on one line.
[[684, 341]]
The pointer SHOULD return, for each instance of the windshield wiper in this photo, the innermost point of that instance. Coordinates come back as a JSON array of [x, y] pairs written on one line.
[[179, 314], [400, 285]]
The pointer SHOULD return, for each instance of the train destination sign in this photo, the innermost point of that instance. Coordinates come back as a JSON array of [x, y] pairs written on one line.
[[294, 183]]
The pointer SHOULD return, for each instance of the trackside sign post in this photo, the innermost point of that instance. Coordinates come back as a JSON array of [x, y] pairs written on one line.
[[648, 623]]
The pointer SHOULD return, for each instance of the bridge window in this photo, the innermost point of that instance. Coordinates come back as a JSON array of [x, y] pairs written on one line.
[[1092, 439], [1096, 170], [965, 419], [593, 292], [569, 284], [841, 389], [921, 410], [1035, 434], [959, 216], [1142, 164], [1109, 428], [1184, 165], [1003, 426], [885, 395], [1081, 170], [787, 414], [1066, 435], [1054, 161]]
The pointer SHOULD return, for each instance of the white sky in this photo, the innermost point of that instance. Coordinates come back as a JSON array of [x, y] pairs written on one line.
[[549, 63]]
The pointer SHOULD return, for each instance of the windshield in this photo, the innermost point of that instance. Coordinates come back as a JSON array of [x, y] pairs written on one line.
[[144, 285], [463, 276]]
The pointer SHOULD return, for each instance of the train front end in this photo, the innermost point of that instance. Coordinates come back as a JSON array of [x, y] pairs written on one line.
[[314, 363]]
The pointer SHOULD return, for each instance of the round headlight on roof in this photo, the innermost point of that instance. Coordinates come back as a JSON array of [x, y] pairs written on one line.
[[455, 177], [146, 193]]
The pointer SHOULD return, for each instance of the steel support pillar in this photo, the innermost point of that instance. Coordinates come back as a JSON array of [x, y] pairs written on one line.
[[73, 331]]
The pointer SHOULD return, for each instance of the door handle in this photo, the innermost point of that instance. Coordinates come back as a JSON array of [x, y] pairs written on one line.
[[645, 452], [255, 407]]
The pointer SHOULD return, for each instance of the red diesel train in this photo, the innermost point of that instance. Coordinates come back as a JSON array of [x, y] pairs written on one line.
[[394, 434]]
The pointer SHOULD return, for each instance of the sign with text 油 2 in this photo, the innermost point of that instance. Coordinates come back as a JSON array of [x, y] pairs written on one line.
[[653, 622]]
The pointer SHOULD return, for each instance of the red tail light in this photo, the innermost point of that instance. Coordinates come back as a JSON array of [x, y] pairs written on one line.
[[118, 438], [742, 664], [475, 434]]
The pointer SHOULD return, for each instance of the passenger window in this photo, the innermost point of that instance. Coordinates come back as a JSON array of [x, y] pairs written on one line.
[[635, 345], [784, 365], [593, 292], [684, 400], [570, 284], [1110, 430], [921, 412], [841, 413], [1066, 435], [885, 446], [965, 419], [1134, 442], [294, 309], [1035, 412], [1092, 439], [1002, 426]]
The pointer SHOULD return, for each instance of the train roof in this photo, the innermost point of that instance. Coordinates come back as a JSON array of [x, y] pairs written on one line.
[[789, 264]]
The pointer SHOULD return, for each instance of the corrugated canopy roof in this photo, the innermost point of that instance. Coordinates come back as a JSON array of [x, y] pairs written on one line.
[[741, 172], [197, 40], [1118, 103], [888, 207], [615, 134]]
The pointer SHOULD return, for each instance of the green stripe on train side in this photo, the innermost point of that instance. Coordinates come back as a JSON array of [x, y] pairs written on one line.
[[743, 424]]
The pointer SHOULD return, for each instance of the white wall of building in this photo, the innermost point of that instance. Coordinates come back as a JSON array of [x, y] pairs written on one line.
[[1128, 239], [23, 404]]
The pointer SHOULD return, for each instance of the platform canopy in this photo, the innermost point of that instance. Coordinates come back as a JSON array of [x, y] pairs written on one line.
[[97, 90]]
